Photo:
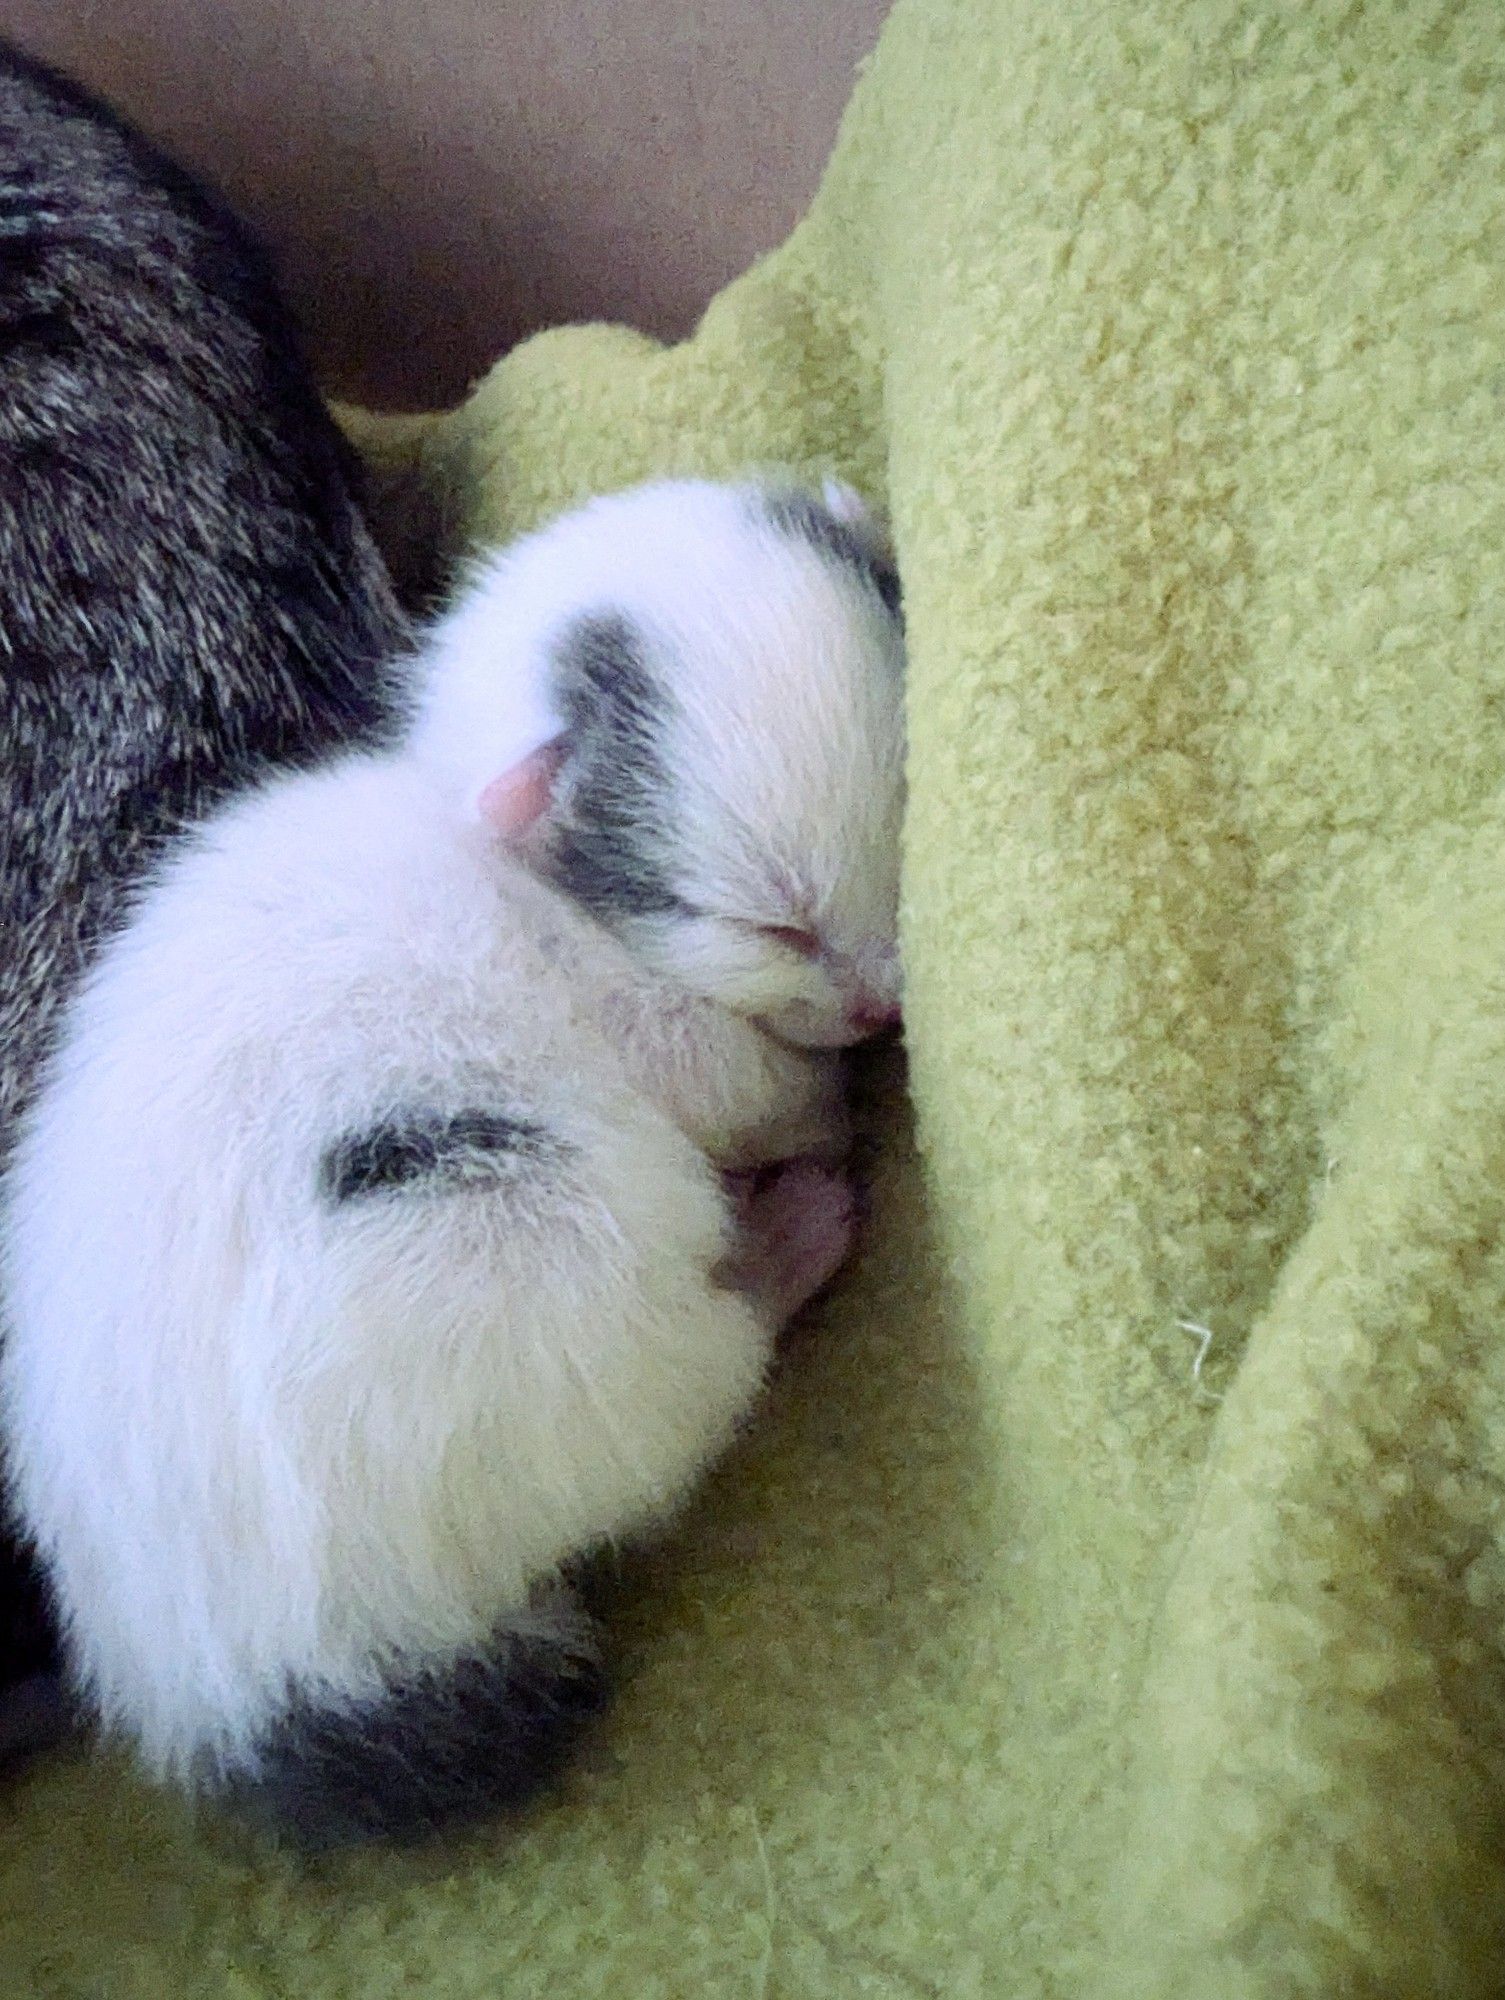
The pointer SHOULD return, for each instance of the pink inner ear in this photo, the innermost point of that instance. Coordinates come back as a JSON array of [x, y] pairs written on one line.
[[513, 804]]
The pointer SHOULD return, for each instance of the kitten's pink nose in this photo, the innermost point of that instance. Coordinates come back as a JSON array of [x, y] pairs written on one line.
[[872, 1017]]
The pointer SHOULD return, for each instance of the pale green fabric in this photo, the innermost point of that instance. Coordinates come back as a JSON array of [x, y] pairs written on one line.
[[1016, 1653]]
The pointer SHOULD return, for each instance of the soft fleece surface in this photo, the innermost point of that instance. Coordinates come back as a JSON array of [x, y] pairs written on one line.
[[1017, 1653]]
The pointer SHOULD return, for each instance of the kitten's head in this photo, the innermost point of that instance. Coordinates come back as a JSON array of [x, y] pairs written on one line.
[[692, 699]]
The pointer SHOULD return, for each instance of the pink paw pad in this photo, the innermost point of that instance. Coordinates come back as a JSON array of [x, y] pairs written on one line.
[[796, 1225]]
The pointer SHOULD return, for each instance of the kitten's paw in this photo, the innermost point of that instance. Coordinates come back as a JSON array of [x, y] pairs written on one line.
[[796, 1225]]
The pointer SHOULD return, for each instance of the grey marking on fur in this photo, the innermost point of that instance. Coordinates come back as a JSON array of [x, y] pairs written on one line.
[[609, 847], [431, 1152], [805, 517], [447, 1742]]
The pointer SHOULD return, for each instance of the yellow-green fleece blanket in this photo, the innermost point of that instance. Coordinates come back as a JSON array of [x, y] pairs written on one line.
[[1112, 1601]]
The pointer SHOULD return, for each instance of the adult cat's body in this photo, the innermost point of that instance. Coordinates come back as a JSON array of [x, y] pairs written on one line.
[[188, 595]]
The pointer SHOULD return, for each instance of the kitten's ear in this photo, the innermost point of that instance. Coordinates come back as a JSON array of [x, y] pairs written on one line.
[[846, 503], [514, 803]]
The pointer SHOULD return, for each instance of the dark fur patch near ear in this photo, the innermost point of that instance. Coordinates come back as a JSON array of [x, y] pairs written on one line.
[[434, 1151], [805, 517], [443, 1746], [608, 848]]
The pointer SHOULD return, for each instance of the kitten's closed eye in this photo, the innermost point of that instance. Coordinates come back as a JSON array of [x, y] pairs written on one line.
[[805, 944]]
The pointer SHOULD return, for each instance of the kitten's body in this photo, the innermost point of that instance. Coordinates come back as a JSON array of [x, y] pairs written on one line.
[[402, 1283], [188, 596]]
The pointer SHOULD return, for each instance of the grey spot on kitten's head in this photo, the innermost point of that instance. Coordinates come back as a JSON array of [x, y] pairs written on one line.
[[608, 847], [428, 1151], [807, 517]]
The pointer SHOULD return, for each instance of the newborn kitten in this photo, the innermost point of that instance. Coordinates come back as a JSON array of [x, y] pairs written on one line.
[[367, 1250], [189, 595]]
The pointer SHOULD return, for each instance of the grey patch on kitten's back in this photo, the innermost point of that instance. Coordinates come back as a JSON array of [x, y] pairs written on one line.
[[437, 1746], [609, 847], [805, 517], [432, 1152]]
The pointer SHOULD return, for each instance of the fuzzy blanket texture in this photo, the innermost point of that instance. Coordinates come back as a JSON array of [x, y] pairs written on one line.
[[1111, 1601]]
